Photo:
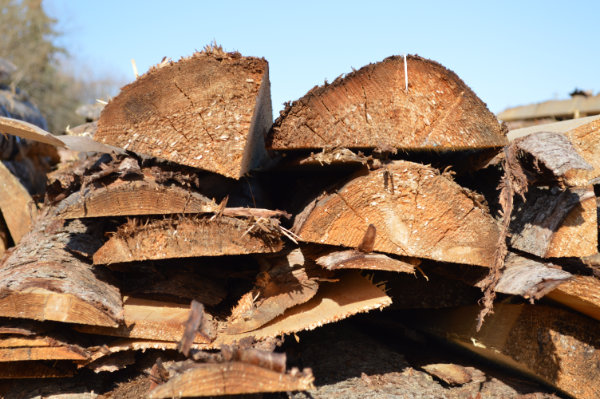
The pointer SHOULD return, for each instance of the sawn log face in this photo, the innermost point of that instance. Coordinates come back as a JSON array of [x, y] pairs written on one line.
[[371, 108], [417, 212], [210, 111]]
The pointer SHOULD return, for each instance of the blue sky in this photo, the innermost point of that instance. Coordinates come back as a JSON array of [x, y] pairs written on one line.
[[510, 53]]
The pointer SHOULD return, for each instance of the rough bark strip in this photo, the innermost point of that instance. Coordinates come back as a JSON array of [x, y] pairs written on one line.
[[16, 205], [130, 198], [209, 111], [554, 150], [187, 237], [551, 344], [370, 108], [192, 326], [352, 259], [42, 280], [583, 135], [529, 278], [232, 378], [417, 212], [538, 220]]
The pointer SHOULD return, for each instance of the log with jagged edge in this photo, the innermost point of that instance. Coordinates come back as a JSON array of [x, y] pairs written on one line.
[[130, 198], [210, 111], [550, 344], [42, 280], [583, 136], [231, 378], [372, 108], [285, 283], [163, 322], [16, 204], [188, 237], [555, 223], [417, 212]]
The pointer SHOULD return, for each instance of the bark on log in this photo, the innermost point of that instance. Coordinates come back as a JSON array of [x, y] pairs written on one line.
[[417, 212], [370, 108], [187, 237], [232, 378], [555, 151], [16, 205], [550, 344], [583, 135], [353, 259], [209, 111], [554, 223], [529, 278], [42, 280]]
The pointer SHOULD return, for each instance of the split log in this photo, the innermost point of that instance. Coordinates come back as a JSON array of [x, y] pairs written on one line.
[[582, 134], [210, 111], [554, 223], [16, 205], [231, 378], [285, 284], [550, 344], [42, 280], [417, 212], [371, 108], [581, 293], [131, 198], [151, 320], [188, 237]]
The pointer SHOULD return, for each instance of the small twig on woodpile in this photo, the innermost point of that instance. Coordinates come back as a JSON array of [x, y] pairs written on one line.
[[514, 181], [192, 325]]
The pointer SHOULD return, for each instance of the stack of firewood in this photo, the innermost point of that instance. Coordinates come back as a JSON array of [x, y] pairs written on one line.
[[193, 227]]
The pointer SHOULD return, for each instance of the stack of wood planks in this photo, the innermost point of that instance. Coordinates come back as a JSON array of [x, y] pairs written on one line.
[[192, 236]]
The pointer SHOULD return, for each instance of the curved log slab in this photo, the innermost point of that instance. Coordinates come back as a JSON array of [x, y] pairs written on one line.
[[352, 259], [130, 198], [371, 108], [186, 237], [231, 378], [210, 111], [417, 212], [42, 280], [584, 137], [550, 344]]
